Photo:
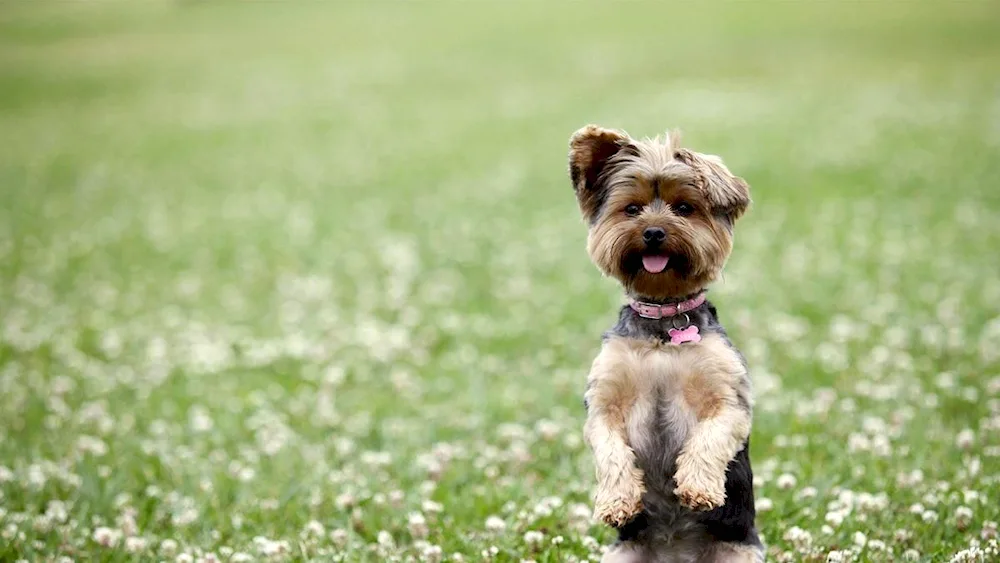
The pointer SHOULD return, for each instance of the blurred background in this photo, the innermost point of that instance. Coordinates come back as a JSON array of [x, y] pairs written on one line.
[[307, 280]]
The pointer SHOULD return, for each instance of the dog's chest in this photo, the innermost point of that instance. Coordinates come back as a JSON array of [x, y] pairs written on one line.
[[674, 386]]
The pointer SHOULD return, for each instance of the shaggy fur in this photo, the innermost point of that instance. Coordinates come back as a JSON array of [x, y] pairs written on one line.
[[668, 424]]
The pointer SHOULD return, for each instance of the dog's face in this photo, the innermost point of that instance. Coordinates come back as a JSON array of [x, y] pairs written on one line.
[[661, 217]]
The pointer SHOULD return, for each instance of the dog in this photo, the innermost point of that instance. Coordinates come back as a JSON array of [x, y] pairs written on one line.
[[668, 397]]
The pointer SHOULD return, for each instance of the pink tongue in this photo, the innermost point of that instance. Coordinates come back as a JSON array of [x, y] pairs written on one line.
[[654, 264]]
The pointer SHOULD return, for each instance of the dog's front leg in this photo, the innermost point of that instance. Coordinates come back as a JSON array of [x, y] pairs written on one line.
[[610, 395], [720, 433]]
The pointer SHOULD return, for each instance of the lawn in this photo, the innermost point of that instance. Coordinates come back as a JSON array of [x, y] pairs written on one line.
[[307, 281]]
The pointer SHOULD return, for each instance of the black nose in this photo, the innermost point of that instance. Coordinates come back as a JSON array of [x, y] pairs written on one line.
[[654, 236]]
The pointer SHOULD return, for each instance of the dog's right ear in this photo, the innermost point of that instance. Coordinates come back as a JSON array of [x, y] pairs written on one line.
[[589, 151]]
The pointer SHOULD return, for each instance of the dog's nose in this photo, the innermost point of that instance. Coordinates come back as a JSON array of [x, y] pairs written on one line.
[[654, 236]]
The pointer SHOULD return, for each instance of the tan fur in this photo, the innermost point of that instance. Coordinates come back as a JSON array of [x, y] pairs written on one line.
[[727, 193], [704, 395], [611, 170], [625, 553], [733, 553], [619, 481], [622, 383]]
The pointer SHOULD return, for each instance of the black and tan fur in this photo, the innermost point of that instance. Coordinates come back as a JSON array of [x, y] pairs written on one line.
[[668, 424]]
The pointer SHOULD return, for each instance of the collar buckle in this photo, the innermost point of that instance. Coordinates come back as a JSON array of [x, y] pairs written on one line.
[[648, 310]]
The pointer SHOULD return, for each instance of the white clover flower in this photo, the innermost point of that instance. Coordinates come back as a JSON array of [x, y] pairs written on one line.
[[973, 466], [344, 501], [963, 516], [384, 539], [798, 537], [184, 517], [872, 503], [807, 493], [532, 537], [579, 512], [965, 439], [91, 445], [135, 544], [106, 537], [546, 506], [199, 419], [971, 555], [786, 481], [168, 548], [858, 443], [547, 429], [911, 555], [431, 553], [431, 507], [764, 504], [417, 525], [495, 524], [836, 517], [339, 537], [859, 539], [271, 548], [42, 524], [246, 474], [315, 529], [970, 496]]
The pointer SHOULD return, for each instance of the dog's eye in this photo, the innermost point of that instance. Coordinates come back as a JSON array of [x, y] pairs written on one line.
[[633, 209], [683, 208]]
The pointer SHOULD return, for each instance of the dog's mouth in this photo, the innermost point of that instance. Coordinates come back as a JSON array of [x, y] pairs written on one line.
[[655, 263]]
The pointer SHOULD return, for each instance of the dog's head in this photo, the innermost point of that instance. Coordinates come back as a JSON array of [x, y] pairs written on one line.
[[660, 217]]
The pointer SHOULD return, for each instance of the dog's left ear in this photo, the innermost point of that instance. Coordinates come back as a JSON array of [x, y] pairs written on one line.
[[728, 195], [589, 151]]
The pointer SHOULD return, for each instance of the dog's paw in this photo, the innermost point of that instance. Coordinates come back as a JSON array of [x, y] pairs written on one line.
[[618, 505], [700, 491], [700, 499]]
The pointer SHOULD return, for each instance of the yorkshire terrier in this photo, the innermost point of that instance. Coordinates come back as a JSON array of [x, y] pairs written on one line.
[[668, 397]]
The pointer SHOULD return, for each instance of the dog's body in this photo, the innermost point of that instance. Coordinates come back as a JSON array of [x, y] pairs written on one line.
[[668, 397]]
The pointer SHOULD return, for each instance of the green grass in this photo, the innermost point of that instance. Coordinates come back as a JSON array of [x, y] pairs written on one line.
[[294, 271]]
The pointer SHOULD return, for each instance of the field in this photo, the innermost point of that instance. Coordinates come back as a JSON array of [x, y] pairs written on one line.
[[307, 281]]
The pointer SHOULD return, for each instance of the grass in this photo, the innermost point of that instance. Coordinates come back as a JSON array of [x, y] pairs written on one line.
[[307, 280]]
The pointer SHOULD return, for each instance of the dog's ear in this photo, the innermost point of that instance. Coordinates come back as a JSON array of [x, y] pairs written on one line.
[[728, 195], [589, 151]]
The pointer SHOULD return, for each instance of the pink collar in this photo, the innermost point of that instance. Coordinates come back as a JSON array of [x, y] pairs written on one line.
[[657, 311]]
